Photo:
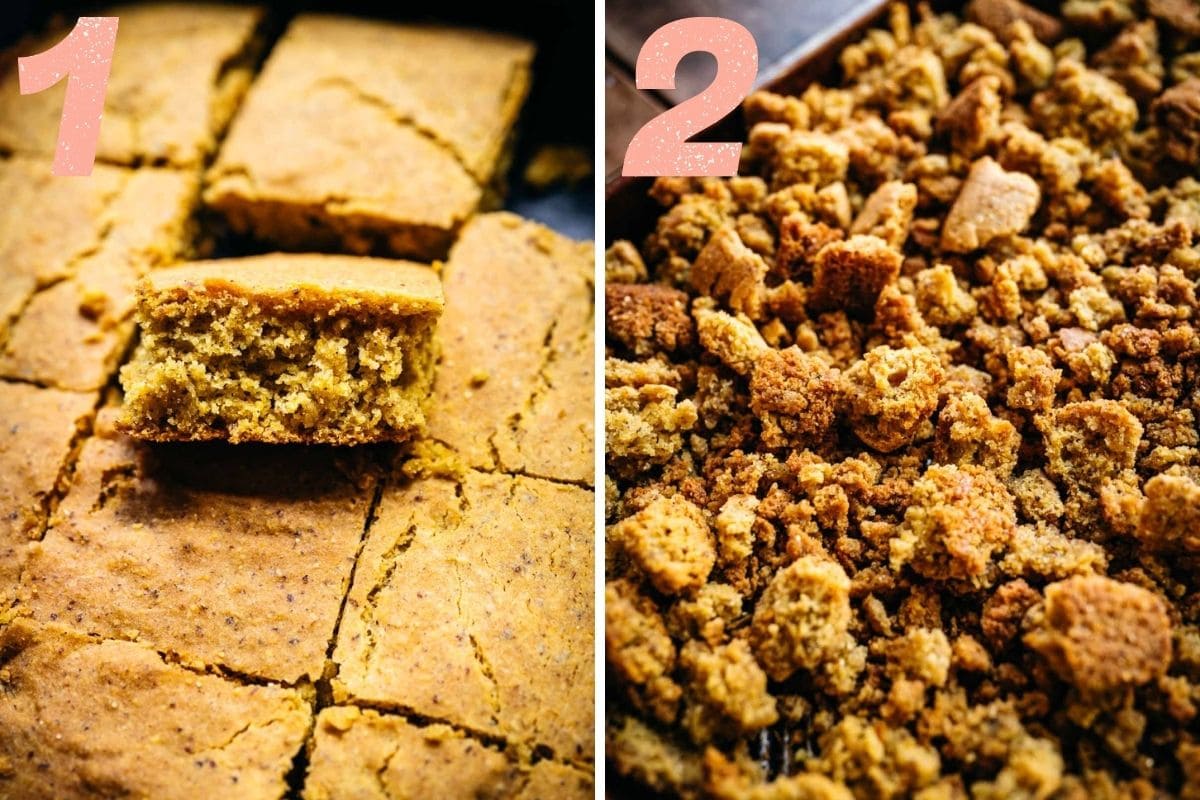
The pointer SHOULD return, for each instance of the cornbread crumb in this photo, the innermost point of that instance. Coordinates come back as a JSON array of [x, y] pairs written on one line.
[[283, 349]]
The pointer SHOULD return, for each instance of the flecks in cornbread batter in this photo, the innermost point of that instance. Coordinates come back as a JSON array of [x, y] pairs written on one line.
[[237, 558], [82, 717], [375, 753], [37, 433]]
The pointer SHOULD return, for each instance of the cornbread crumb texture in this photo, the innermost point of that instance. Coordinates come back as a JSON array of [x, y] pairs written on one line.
[[38, 429], [83, 716], [72, 259], [178, 72], [903, 468], [472, 603], [368, 753], [283, 348], [514, 387], [237, 558], [387, 85]]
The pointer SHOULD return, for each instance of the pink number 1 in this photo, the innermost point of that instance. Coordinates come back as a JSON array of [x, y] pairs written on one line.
[[85, 58]]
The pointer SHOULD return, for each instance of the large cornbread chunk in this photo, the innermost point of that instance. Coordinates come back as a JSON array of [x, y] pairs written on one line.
[[39, 427], [283, 348], [363, 753], [515, 384], [227, 557], [396, 134], [472, 603], [178, 72], [70, 260], [85, 717]]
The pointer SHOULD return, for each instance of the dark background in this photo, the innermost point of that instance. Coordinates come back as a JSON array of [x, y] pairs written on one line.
[[560, 108]]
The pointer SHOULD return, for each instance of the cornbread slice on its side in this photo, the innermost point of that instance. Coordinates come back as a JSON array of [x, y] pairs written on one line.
[[396, 134], [355, 753], [178, 73], [83, 717], [283, 348]]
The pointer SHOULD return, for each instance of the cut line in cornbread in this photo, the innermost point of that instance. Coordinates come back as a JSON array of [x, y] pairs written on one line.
[[283, 348]]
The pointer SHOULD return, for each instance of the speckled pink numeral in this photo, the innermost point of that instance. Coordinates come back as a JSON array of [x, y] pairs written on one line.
[[85, 58], [661, 146]]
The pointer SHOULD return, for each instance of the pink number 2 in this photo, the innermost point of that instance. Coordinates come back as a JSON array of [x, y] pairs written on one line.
[[85, 58], [661, 146]]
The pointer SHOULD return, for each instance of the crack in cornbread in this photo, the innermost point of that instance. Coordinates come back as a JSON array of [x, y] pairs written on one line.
[[365, 752], [178, 73], [233, 557], [514, 385], [902, 454], [466, 589], [73, 704], [37, 438], [387, 85], [312, 349], [66, 293]]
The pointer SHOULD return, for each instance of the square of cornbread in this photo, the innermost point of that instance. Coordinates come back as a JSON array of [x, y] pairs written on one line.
[[84, 718], [515, 382], [230, 557], [178, 72], [36, 438], [283, 348], [393, 135], [357, 753], [472, 603], [69, 261]]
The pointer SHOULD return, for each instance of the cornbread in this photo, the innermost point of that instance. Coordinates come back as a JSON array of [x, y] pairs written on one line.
[[283, 348], [472, 603], [903, 461], [514, 385], [71, 259], [235, 558], [374, 754], [39, 428], [85, 717], [250, 570], [178, 72], [396, 134]]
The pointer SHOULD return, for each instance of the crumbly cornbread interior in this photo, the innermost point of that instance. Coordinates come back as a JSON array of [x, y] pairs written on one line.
[[220, 365]]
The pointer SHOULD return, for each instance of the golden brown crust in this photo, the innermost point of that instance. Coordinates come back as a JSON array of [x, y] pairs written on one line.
[[165, 104], [83, 715], [67, 292], [386, 86], [155, 527], [514, 386], [40, 428], [647, 318], [438, 621]]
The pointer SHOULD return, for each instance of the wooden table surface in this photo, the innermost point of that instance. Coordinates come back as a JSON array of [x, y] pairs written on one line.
[[779, 27]]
